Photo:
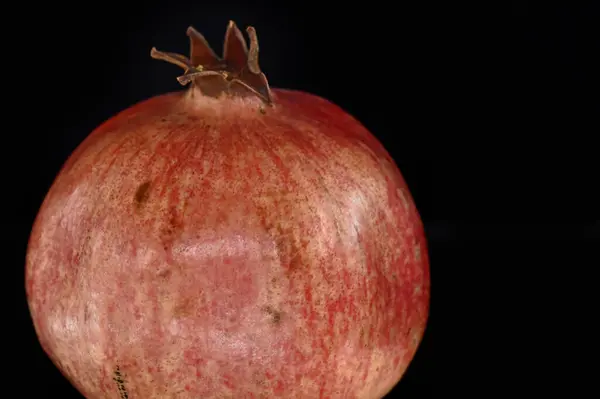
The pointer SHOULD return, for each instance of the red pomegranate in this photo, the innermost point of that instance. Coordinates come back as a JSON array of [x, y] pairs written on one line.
[[229, 241]]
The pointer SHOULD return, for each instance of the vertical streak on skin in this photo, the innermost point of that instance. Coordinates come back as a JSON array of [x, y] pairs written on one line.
[[202, 266]]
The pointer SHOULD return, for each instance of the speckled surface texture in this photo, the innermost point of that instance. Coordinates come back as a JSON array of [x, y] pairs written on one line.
[[200, 248]]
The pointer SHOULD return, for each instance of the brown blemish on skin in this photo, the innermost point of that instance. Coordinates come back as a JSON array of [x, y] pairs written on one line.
[[259, 380], [142, 193], [86, 313], [183, 308], [118, 378], [365, 338], [275, 314], [165, 274], [295, 264], [170, 230], [289, 247], [296, 260]]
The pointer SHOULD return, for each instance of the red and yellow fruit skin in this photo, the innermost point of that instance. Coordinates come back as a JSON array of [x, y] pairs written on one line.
[[194, 247]]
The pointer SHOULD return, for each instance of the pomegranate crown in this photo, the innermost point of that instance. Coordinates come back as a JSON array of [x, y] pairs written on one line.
[[237, 72]]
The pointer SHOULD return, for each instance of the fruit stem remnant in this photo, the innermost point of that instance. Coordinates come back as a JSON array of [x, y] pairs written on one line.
[[236, 73]]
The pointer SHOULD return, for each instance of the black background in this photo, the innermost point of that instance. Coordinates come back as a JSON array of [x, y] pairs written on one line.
[[490, 113]]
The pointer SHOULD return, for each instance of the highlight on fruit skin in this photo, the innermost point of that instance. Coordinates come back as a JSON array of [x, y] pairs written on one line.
[[193, 246]]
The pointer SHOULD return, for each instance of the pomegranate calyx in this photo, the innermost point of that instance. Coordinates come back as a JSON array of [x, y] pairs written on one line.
[[237, 72]]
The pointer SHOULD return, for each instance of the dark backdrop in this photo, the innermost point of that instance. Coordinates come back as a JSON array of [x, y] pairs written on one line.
[[491, 115]]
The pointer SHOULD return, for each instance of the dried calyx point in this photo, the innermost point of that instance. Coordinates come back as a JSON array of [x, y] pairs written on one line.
[[237, 72]]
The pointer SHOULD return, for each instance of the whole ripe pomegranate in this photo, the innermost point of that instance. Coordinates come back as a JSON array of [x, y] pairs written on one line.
[[230, 241]]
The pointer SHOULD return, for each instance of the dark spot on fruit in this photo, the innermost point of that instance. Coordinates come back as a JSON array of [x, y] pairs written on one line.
[[170, 229], [295, 264], [365, 338], [86, 313], [275, 314], [296, 260], [163, 119], [184, 308], [173, 222], [165, 274], [141, 194], [262, 110], [119, 380], [290, 249], [261, 382], [276, 317]]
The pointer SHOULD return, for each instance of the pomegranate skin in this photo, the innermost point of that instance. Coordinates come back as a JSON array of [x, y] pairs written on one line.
[[199, 247]]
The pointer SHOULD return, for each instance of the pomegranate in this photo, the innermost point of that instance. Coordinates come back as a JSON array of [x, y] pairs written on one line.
[[229, 241]]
